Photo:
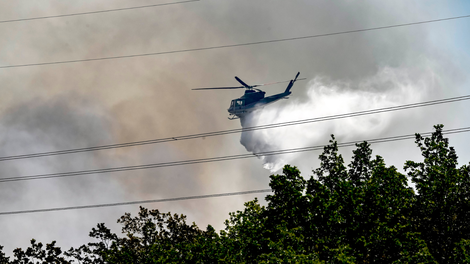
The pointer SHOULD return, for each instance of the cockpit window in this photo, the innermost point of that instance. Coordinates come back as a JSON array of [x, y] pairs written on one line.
[[237, 103]]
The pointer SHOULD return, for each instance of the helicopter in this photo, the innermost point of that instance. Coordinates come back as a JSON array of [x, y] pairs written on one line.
[[253, 98]]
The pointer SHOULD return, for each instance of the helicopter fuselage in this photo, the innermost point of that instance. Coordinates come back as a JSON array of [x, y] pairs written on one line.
[[251, 101]]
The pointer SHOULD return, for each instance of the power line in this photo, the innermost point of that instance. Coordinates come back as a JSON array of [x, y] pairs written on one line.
[[233, 45], [96, 12], [239, 130], [373, 141], [216, 159], [134, 202]]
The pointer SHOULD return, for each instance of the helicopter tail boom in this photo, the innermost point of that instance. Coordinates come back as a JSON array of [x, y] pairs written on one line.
[[291, 83]]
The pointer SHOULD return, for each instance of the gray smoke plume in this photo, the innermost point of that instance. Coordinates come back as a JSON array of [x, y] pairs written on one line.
[[65, 122]]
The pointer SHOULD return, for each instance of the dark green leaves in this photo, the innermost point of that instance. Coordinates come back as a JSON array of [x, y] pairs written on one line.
[[442, 209]]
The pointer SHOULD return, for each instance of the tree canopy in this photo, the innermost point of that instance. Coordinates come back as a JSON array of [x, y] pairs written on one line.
[[364, 212]]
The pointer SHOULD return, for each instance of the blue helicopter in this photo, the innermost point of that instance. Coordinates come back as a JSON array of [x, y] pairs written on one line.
[[253, 98]]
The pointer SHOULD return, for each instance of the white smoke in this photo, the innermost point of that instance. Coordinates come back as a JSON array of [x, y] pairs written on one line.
[[389, 87]]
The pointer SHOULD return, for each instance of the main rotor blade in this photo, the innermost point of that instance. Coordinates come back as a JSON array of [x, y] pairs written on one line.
[[256, 85], [246, 85], [243, 83], [219, 88]]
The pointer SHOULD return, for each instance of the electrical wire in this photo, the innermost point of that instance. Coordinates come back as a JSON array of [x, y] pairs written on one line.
[[134, 202], [373, 141], [234, 45], [217, 159], [239, 130], [96, 12]]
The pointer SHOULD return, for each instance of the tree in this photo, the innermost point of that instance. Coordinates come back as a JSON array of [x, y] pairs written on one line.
[[442, 209], [3, 258], [36, 253], [151, 237], [362, 212]]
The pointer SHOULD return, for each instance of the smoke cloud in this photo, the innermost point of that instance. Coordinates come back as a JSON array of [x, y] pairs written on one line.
[[74, 105]]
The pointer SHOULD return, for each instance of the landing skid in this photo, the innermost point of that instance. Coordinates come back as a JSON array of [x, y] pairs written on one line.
[[233, 117]]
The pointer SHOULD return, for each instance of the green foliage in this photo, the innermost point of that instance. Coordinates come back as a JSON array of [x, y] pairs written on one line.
[[361, 215], [151, 237], [3, 258], [462, 251], [363, 212], [36, 253], [442, 208]]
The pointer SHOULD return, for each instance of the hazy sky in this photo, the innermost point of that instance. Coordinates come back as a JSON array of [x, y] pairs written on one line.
[[64, 106]]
